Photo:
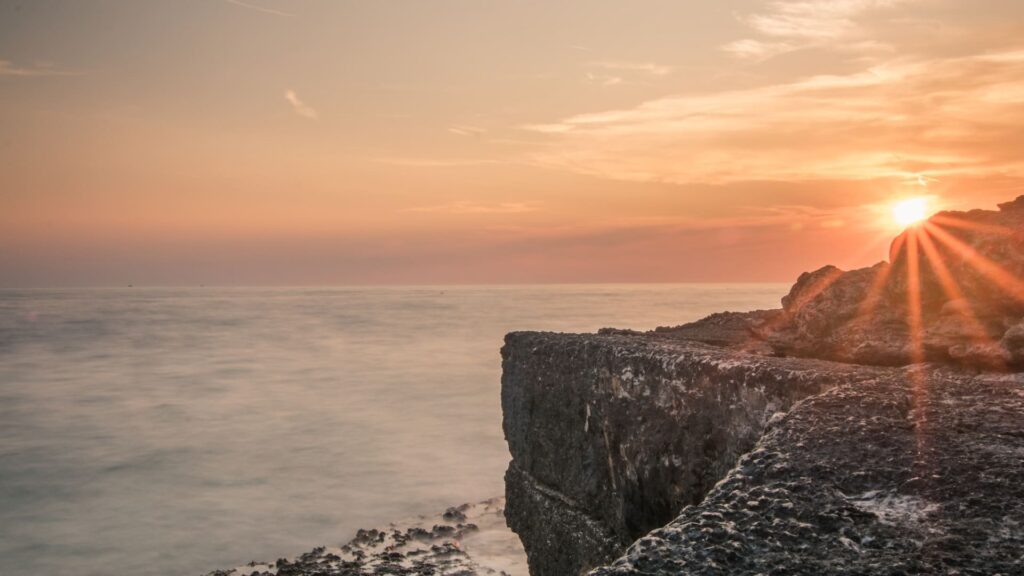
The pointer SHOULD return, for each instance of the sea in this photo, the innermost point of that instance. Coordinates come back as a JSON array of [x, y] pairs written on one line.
[[176, 431]]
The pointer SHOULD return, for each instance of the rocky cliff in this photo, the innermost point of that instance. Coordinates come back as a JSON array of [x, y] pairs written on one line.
[[788, 441]]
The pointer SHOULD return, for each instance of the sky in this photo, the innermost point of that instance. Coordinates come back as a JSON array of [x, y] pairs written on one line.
[[274, 142]]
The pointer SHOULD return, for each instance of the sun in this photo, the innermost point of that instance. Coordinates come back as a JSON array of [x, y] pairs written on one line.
[[910, 211]]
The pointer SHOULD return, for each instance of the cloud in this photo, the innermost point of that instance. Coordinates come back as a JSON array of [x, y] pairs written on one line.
[[898, 119], [465, 207], [434, 162], [7, 68], [300, 107], [604, 79], [464, 130], [751, 49], [259, 8], [792, 25], [613, 72], [646, 67]]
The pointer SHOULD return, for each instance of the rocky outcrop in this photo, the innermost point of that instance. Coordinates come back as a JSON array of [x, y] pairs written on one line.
[[953, 293], [613, 434], [808, 440], [914, 473]]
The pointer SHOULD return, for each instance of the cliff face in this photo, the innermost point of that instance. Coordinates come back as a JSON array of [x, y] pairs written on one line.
[[613, 434]]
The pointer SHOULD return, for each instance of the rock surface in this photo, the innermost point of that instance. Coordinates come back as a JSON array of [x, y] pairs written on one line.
[[953, 293], [902, 474], [613, 434]]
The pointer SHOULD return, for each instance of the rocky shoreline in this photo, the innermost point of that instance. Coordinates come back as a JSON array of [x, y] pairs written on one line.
[[874, 425], [464, 540]]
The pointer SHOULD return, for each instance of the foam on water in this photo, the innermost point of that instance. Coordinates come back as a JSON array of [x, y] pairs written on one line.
[[175, 431]]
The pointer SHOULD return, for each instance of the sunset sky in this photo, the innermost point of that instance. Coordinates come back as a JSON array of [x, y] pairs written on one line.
[[273, 142]]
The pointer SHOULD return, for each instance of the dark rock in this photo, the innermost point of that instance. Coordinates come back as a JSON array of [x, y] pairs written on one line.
[[723, 328], [455, 514], [611, 435], [444, 549], [842, 486]]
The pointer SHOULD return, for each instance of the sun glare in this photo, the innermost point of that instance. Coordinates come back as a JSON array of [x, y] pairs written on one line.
[[910, 211]]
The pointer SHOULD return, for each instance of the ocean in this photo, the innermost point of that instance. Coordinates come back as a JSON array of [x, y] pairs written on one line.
[[176, 431]]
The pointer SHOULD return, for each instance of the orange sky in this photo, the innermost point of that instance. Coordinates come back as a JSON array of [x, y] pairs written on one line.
[[276, 142]]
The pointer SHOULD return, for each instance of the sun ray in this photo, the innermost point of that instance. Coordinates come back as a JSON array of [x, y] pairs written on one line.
[[874, 294], [1013, 287], [976, 330], [914, 318], [785, 316], [954, 222], [916, 372]]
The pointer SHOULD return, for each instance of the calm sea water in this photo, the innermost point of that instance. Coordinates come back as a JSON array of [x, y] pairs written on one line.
[[176, 431]]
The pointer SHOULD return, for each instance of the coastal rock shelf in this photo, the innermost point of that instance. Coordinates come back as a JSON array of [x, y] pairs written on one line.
[[613, 434], [877, 471]]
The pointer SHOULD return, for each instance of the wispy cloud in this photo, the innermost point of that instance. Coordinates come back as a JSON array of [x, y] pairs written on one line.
[[791, 25], [8, 68], [300, 107], [434, 162], [613, 72], [466, 207], [893, 120], [465, 130], [604, 79], [645, 67], [258, 8]]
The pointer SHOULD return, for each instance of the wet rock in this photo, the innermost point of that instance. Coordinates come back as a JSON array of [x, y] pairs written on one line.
[[445, 549], [455, 514]]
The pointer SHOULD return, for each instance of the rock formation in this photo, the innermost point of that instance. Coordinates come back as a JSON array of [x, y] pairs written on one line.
[[613, 434], [792, 441], [954, 293]]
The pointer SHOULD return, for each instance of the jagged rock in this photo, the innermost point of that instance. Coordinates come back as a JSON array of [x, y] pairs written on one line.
[[953, 289], [723, 328]]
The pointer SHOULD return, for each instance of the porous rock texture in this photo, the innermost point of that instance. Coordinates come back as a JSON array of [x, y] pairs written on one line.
[[903, 474], [874, 425], [613, 434]]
